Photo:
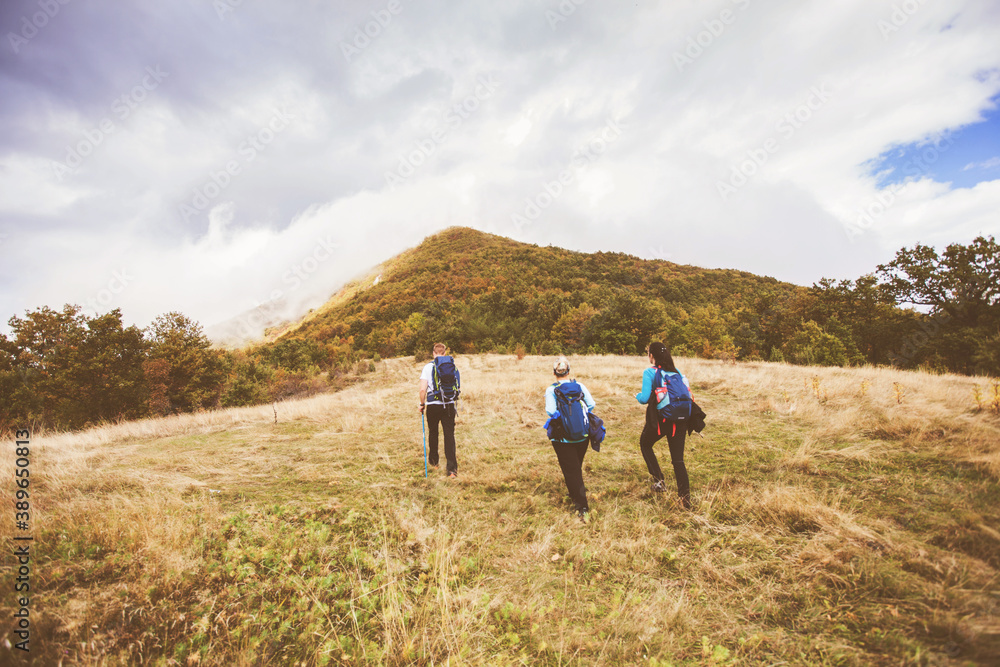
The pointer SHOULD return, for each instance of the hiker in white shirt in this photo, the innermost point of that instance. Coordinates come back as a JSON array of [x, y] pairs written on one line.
[[439, 411]]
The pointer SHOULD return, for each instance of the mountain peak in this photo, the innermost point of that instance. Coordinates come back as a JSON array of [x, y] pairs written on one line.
[[480, 291]]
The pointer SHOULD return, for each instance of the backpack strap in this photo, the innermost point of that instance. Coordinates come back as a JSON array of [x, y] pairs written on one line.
[[435, 381]]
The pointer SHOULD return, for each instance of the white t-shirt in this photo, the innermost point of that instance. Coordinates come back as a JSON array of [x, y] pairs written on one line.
[[428, 374]]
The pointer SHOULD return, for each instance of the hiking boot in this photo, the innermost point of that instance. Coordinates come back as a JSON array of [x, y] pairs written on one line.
[[585, 516], [659, 486], [452, 475], [686, 502]]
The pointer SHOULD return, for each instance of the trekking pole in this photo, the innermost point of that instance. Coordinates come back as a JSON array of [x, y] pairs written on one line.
[[424, 429]]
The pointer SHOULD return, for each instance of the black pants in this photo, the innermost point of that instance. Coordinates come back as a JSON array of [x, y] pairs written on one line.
[[445, 416], [675, 441], [570, 455]]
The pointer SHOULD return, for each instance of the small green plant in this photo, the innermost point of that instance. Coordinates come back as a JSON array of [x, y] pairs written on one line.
[[715, 655], [899, 391], [865, 385], [995, 403], [977, 396], [815, 386]]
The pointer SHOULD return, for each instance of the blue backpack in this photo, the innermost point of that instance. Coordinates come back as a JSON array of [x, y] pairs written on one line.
[[673, 398], [446, 381], [572, 411]]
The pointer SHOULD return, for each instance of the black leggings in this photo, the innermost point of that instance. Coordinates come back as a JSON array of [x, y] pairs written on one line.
[[675, 433], [570, 455]]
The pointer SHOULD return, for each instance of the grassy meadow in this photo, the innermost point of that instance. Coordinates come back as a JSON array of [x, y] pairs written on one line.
[[841, 517]]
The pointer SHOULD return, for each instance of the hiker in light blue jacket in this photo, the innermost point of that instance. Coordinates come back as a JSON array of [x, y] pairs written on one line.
[[569, 450], [656, 428]]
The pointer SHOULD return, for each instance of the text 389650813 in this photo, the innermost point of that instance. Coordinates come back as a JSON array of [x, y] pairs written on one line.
[[22, 538]]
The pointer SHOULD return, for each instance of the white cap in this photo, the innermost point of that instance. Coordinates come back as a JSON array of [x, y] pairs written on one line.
[[561, 367]]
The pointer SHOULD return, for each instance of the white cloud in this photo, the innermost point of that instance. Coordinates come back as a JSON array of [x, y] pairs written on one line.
[[31, 188], [653, 190], [992, 163]]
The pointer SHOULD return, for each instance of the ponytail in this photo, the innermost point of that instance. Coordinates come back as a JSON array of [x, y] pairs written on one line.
[[661, 355]]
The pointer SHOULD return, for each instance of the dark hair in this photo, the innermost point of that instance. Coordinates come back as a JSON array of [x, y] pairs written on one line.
[[662, 357]]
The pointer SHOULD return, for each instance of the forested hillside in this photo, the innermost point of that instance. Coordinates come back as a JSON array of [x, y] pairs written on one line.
[[478, 292]]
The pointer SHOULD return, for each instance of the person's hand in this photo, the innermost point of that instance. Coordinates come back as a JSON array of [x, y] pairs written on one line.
[[421, 408]]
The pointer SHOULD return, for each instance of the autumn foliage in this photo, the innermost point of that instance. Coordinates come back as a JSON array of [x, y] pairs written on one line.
[[484, 293]]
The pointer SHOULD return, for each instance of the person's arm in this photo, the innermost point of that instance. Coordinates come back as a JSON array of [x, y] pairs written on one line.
[[550, 401], [647, 386], [588, 399], [425, 376]]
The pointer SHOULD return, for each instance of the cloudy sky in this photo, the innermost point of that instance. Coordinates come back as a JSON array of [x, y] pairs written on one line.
[[208, 156]]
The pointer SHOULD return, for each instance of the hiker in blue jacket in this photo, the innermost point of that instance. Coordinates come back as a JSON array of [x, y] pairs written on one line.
[[569, 450], [656, 428]]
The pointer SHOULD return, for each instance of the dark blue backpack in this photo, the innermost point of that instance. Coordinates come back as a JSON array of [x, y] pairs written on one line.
[[673, 398], [572, 411], [447, 382]]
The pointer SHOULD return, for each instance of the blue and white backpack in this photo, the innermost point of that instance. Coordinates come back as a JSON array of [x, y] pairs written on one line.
[[673, 398]]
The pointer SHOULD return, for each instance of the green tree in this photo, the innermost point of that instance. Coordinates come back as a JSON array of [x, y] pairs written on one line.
[[961, 290], [705, 333], [10, 385], [626, 326], [246, 382], [813, 346], [194, 371], [964, 281], [570, 327], [109, 363], [72, 370]]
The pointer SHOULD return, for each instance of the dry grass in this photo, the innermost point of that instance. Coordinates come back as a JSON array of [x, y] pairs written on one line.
[[842, 516]]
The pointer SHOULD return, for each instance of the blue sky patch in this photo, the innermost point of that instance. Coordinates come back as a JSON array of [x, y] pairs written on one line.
[[964, 157]]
